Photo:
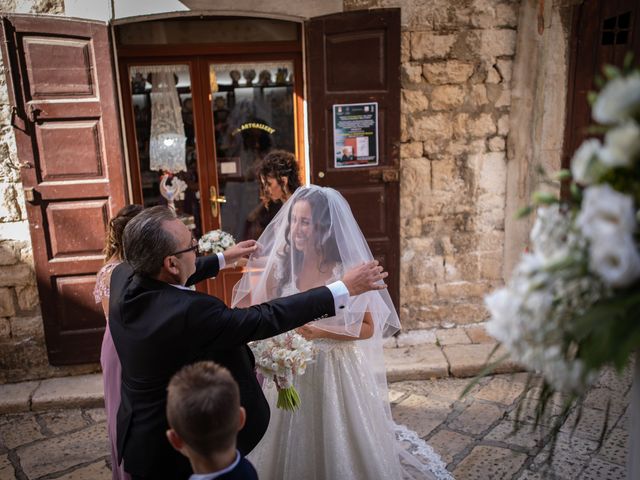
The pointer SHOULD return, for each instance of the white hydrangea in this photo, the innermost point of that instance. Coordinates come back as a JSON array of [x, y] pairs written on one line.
[[621, 145], [615, 258], [618, 101], [605, 212]]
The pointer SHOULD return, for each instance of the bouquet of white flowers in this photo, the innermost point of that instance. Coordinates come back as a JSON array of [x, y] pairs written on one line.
[[215, 241], [572, 305], [279, 359]]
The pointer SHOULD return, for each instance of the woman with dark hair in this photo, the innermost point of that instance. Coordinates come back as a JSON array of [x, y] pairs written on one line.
[[343, 427], [279, 175], [114, 255]]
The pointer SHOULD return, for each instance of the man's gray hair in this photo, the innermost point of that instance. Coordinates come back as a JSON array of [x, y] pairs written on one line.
[[146, 243]]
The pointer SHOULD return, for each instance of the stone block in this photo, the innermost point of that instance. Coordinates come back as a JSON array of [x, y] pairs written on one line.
[[61, 421], [615, 447], [411, 150], [7, 303], [485, 462], [461, 267], [493, 43], [9, 254], [453, 336], [54, 455], [429, 270], [491, 264], [428, 45], [570, 456], [504, 100], [448, 444], [412, 338], [434, 127], [95, 471], [504, 389], [462, 289], [415, 363], [497, 144], [421, 414], [5, 328], [477, 418], [68, 392], [469, 360], [15, 397], [96, 415], [410, 74], [590, 425], [478, 334], [19, 430], [482, 126], [505, 67], [9, 208], [19, 274], [414, 174], [478, 95], [7, 472], [507, 14], [23, 327], [28, 297], [447, 97], [526, 437], [449, 72], [449, 389], [405, 46], [414, 101], [503, 125]]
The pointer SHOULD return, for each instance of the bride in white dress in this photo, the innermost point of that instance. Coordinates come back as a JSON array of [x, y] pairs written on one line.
[[343, 428]]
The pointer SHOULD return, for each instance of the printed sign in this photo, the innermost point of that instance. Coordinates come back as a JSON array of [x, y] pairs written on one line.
[[355, 134]]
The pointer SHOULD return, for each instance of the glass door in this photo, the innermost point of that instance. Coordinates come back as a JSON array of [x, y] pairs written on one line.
[[252, 113]]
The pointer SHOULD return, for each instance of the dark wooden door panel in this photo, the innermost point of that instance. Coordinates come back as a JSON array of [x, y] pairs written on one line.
[[68, 139], [354, 57], [603, 32]]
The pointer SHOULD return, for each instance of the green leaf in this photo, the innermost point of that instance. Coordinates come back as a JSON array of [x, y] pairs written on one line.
[[627, 63], [564, 174], [524, 211], [592, 97], [599, 81], [544, 198], [611, 71]]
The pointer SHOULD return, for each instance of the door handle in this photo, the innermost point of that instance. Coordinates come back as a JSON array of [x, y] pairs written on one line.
[[214, 200]]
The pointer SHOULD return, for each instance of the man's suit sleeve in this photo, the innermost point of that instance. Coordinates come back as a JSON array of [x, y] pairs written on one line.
[[213, 322], [206, 267]]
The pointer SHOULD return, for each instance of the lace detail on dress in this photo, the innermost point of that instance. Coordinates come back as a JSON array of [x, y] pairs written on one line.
[[419, 457], [103, 276]]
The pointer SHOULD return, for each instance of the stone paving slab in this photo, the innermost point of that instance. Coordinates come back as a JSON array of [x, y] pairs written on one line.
[[68, 392]]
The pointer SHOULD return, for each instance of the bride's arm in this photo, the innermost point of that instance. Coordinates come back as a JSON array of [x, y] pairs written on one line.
[[366, 331]]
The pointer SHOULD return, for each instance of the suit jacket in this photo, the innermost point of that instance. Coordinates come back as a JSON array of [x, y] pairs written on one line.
[[158, 328]]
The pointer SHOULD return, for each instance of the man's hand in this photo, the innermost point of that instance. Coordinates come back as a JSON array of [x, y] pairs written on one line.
[[364, 278], [239, 250]]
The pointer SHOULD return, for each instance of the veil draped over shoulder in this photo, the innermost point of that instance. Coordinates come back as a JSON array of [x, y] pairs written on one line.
[[273, 271]]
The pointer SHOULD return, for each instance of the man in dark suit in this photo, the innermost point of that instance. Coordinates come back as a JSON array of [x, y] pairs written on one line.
[[158, 326]]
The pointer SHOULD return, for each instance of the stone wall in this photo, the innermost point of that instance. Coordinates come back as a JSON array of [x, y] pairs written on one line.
[[23, 352], [457, 59]]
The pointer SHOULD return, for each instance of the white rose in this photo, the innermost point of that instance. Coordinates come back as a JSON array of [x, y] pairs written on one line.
[[619, 100], [622, 145], [605, 212], [615, 258], [585, 160]]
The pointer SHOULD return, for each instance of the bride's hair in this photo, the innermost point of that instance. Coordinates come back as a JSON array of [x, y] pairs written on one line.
[[324, 239]]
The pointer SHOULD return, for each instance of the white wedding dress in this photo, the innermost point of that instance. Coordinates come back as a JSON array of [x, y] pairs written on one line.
[[342, 430]]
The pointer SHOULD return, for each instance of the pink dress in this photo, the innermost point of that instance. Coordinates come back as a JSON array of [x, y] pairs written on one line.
[[110, 372]]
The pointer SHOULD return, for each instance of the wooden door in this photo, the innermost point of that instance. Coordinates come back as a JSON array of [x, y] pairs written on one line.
[[354, 58], [603, 32], [61, 88]]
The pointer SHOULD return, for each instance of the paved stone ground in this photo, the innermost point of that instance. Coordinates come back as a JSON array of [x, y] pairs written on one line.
[[472, 435]]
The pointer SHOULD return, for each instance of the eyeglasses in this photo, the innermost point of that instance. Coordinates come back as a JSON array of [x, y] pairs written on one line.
[[194, 247]]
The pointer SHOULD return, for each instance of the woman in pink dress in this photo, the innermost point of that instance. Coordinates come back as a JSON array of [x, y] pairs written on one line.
[[108, 356]]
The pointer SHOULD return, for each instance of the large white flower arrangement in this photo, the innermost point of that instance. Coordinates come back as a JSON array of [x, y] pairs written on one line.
[[572, 305]]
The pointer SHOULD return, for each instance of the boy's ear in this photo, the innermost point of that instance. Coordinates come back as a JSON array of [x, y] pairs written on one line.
[[175, 440], [242, 418]]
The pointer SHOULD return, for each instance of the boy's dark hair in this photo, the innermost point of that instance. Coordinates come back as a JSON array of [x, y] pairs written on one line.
[[203, 405]]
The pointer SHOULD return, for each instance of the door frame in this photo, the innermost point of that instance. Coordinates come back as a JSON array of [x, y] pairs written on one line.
[[198, 57]]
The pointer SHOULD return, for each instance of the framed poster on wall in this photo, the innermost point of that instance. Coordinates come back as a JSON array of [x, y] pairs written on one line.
[[355, 134]]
